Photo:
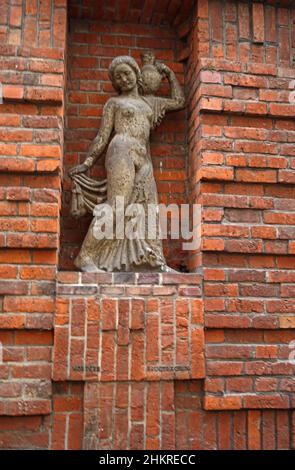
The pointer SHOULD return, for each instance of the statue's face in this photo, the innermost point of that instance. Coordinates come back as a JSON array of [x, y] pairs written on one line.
[[124, 77]]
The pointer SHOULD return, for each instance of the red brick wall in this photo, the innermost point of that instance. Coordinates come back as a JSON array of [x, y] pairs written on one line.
[[245, 173], [67, 418], [31, 132], [129, 338], [240, 166], [228, 430]]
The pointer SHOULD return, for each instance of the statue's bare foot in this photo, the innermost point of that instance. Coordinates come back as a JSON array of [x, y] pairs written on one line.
[[167, 269], [91, 268]]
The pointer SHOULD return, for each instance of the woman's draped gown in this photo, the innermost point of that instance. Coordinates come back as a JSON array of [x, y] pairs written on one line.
[[123, 254]]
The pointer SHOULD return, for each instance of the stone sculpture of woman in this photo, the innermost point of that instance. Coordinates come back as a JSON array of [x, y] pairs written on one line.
[[126, 122]]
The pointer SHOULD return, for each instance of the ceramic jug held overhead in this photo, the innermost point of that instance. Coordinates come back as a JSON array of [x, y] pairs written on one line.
[[151, 77]]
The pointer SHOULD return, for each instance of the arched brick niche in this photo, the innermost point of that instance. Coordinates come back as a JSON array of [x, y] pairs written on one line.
[[98, 32]]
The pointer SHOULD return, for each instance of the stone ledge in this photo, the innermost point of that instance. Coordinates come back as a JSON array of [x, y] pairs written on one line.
[[129, 284], [129, 278]]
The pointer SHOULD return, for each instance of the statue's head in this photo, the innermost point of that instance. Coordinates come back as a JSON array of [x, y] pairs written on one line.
[[125, 74]]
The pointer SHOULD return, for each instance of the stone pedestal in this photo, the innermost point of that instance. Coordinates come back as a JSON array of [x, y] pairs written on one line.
[[128, 337]]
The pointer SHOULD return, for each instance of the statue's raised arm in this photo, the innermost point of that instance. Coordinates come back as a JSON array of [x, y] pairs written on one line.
[[177, 99], [153, 73]]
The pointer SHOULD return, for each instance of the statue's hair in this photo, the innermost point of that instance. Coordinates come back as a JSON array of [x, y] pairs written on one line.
[[125, 59]]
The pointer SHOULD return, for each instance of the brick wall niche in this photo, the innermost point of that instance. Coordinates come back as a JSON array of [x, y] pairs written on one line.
[[92, 45]]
